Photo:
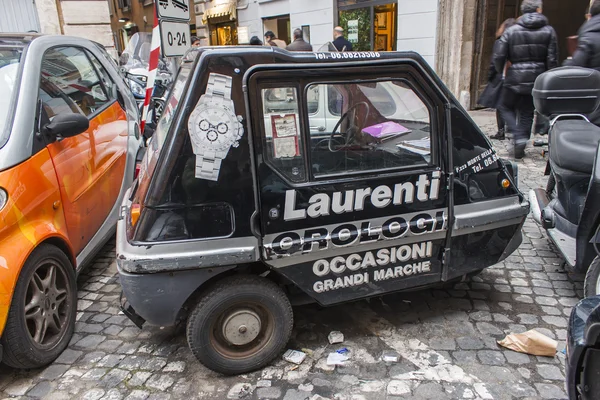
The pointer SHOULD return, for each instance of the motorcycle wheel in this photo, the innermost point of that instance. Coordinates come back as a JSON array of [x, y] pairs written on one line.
[[591, 286]]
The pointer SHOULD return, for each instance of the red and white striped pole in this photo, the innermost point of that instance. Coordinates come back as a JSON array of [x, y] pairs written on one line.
[[152, 68]]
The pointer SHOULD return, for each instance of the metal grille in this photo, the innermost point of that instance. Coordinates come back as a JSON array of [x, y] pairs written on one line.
[[18, 16]]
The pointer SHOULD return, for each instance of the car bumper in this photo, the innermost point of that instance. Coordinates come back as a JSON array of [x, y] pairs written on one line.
[[583, 350]]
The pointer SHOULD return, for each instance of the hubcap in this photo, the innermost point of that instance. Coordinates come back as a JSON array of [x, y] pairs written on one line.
[[241, 327], [47, 304]]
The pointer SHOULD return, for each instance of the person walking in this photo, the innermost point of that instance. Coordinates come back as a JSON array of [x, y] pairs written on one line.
[[299, 44], [340, 42], [587, 53], [531, 47], [492, 94], [272, 40]]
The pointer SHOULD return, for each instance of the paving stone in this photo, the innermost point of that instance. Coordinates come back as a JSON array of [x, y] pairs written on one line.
[[541, 283], [398, 388], [543, 291], [550, 372], [442, 343], [90, 341], [139, 378], [465, 356], [93, 394], [560, 322], [528, 319], [551, 310], [138, 395], [522, 290], [160, 382], [268, 393], [110, 361], [113, 330], [488, 329], [470, 343], [95, 374], [110, 345], [430, 390], [523, 298], [68, 356], [175, 366], [93, 357], [54, 371], [549, 391], [514, 357], [490, 357], [113, 394], [41, 389], [546, 301]]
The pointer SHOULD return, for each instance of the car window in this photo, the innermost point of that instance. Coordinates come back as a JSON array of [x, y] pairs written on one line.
[[70, 70], [55, 101], [373, 126], [312, 100], [282, 140], [107, 81]]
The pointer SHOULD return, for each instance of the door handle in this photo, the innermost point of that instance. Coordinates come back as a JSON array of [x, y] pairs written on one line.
[[318, 128]]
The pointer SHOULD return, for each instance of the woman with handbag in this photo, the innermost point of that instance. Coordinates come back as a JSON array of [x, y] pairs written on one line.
[[492, 94]]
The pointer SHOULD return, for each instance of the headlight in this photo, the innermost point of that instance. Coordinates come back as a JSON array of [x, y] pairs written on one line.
[[3, 198], [137, 89]]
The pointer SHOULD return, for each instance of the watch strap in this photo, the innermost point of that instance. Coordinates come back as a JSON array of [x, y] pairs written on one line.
[[208, 165], [219, 86]]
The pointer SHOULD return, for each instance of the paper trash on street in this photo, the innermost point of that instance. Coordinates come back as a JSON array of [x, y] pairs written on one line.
[[294, 356], [335, 337], [530, 342], [336, 359]]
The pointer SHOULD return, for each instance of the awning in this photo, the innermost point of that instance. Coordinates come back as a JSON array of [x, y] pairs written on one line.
[[222, 11]]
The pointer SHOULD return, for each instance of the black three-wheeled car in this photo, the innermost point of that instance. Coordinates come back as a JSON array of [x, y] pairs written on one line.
[[277, 177]]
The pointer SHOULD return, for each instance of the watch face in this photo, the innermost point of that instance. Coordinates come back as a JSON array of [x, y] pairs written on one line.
[[213, 128]]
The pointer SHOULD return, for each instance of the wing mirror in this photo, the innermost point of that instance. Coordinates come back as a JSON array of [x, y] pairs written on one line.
[[67, 125]]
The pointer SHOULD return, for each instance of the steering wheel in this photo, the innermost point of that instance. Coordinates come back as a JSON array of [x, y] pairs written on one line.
[[350, 132]]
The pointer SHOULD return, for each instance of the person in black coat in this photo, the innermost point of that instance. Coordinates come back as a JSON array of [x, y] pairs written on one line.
[[587, 53], [340, 42], [531, 47], [492, 94]]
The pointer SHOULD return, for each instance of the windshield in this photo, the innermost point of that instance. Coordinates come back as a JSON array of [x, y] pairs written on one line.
[[137, 52], [9, 68], [158, 139]]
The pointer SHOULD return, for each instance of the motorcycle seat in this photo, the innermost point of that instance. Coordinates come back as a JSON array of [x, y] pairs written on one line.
[[573, 145]]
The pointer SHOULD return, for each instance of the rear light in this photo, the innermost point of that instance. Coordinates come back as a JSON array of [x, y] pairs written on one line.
[[134, 213], [138, 167]]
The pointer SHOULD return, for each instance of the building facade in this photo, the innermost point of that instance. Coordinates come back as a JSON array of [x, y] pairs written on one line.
[[89, 19]]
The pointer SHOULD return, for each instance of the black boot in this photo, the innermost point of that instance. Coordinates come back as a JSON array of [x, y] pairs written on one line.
[[499, 136], [519, 150]]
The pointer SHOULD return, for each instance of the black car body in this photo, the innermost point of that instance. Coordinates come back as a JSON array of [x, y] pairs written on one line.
[[583, 350], [332, 217]]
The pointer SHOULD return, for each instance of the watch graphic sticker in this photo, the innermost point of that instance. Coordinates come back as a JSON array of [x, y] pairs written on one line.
[[214, 127]]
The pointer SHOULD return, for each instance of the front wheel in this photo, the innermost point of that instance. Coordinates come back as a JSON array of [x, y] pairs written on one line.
[[241, 324], [591, 285], [42, 313]]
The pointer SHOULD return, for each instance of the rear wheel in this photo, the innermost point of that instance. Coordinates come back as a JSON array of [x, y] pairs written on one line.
[[591, 285], [42, 313], [241, 324]]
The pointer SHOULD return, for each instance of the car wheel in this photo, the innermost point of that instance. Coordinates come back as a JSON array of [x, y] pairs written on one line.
[[42, 313], [240, 324], [591, 285]]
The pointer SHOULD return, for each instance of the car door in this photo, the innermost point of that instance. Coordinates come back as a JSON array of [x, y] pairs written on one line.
[[358, 212], [89, 166]]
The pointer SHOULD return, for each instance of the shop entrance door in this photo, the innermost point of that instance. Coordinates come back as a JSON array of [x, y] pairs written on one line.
[[372, 26], [224, 34]]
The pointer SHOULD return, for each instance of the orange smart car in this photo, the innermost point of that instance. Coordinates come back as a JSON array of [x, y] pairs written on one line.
[[68, 143]]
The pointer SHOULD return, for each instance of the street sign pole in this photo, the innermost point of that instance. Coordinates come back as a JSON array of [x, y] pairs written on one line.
[[152, 67]]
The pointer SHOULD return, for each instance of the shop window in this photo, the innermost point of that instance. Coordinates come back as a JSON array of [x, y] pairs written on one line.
[[371, 126], [282, 141]]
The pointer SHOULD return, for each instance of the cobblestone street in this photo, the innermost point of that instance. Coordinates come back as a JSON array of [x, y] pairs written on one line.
[[446, 339]]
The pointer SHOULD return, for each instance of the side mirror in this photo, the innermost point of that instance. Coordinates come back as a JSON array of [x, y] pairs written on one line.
[[67, 125]]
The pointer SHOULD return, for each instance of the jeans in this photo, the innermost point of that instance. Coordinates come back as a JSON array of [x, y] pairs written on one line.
[[517, 111]]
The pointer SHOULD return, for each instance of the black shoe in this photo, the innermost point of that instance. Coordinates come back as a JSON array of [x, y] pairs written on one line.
[[519, 152], [498, 136], [540, 142]]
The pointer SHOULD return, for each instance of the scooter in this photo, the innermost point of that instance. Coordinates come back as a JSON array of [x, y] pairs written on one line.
[[569, 207]]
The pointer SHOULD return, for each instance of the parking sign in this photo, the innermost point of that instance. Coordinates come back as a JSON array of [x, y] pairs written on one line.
[[175, 38], [173, 9]]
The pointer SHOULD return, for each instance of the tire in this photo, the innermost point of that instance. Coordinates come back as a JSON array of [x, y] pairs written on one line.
[[24, 344], [239, 302], [591, 286]]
